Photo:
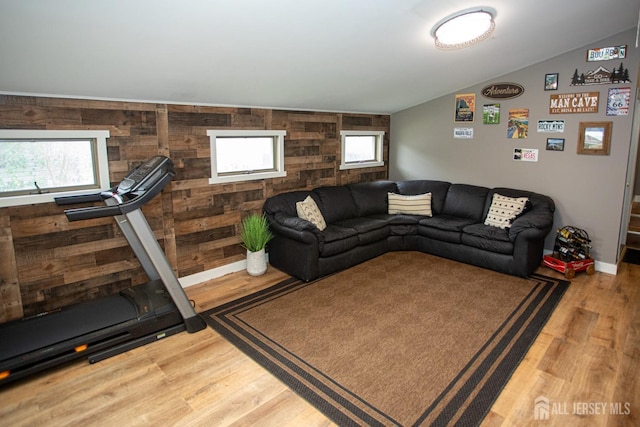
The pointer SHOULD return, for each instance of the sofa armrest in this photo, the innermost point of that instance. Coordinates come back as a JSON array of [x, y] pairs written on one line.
[[294, 248], [296, 223], [537, 220], [295, 228]]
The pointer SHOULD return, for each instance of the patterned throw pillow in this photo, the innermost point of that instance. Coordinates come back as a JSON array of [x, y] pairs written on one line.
[[419, 204], [504, 210], [308, 209]]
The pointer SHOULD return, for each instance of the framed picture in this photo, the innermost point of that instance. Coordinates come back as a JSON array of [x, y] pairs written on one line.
[[594, 138], [551, 81], [491, 114], [465, 107], [555, 144]]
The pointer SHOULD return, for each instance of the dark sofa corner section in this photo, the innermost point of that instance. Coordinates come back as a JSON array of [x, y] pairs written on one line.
[[359, 227]]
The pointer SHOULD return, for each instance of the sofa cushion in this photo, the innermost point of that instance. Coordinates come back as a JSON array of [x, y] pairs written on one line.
[[438, 190], [538, 202], [419, 204], [285, 203], [440, 235], [488, 238], [363, 225], [369, 229], [504, 210], [465, 201], [487, 232], [371, 197], [446, 222], [308, 209], [401, 224], [335, 240], [336, 203]]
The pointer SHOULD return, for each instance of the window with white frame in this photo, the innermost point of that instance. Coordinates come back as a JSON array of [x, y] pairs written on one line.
[[243, 155], [361, 149], [38, 165]]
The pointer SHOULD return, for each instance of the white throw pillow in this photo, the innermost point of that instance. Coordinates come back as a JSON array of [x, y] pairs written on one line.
[[308, 209], [504, 210], [419, 204]]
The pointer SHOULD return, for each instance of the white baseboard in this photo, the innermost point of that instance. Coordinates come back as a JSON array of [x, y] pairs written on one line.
[[213, 273], [636, 198], [605, 267]]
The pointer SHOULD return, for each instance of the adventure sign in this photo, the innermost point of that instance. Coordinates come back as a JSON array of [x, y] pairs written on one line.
[[502, 90]]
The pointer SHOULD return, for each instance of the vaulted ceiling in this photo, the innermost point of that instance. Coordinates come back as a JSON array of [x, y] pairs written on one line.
[[372, 56]]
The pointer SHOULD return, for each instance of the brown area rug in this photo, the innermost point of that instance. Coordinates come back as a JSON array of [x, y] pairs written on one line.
[[403, 339]]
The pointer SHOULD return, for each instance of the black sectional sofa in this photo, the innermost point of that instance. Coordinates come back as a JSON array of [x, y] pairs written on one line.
[[359, 227]]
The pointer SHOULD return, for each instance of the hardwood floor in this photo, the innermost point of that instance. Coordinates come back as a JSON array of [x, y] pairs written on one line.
[[587, 355]]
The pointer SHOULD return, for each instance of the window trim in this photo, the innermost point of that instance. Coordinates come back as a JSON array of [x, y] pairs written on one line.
[[379, 161], [102, 162], [278, 151]]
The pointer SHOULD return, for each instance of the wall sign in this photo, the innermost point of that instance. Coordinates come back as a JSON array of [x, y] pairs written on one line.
[[601, 76], [606, 53], [550, 126], [463, 133], [525, 154], [570, 103], [618, 101], [502, 90]]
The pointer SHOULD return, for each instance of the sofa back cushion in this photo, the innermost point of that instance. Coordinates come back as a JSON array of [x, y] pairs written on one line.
[[466, 201], [438, 190], [536, 201], [371, 197], [285, 204], [336, 203]]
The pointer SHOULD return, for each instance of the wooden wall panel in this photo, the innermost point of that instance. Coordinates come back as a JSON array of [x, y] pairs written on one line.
[[10, 297], [48, 262]]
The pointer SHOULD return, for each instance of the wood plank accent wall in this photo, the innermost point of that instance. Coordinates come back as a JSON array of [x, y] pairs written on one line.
[[47, 262]]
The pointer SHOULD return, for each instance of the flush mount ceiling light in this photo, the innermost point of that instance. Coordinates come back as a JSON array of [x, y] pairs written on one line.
[[464, 28]]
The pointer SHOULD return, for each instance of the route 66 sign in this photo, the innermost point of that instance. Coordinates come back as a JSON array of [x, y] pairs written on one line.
[[618, 101]]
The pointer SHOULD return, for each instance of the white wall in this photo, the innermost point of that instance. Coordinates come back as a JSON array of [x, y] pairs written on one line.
[[588, 190]]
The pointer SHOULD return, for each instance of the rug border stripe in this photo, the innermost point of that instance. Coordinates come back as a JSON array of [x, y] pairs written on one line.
[[343, 411], [543, 305], [227, 327]]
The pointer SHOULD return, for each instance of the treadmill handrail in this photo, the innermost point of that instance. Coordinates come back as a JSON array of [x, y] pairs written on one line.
[[125, 207], [81, 198]]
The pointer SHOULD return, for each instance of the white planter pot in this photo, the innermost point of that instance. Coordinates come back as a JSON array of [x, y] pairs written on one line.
[[256, 263]]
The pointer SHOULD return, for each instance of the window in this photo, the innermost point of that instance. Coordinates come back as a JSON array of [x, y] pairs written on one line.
[[38, 165], [243, 155], [361, 149]]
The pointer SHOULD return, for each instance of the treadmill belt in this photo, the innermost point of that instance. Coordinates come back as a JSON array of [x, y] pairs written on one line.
[[74, 321]]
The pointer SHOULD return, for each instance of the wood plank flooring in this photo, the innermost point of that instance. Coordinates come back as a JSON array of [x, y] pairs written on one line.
[[587, 355]]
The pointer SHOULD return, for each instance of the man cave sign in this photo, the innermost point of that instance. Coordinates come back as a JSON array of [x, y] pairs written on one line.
[[569, 103]]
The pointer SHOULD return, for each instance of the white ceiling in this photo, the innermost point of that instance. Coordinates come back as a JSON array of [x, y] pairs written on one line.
[[336, 55]]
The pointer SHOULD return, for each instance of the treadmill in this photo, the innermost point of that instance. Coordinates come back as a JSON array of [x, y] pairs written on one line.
[[104, 327]]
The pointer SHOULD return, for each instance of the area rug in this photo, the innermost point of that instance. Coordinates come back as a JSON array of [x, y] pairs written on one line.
[[403, 339]]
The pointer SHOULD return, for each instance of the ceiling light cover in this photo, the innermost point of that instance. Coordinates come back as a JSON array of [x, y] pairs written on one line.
[[464, 28]]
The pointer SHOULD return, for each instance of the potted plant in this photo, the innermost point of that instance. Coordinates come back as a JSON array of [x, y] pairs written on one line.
[[255, 235]]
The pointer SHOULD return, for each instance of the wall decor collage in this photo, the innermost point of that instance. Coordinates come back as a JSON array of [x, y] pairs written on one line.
[[594, 137]]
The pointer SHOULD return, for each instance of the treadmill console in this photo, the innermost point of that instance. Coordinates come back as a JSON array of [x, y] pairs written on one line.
[[135, 190], [144, 176]]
